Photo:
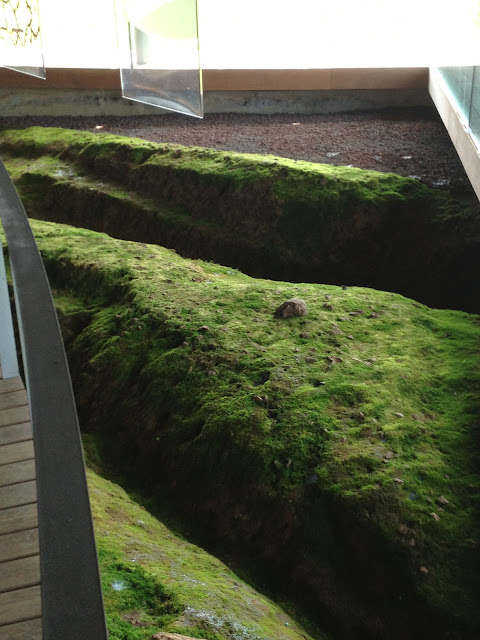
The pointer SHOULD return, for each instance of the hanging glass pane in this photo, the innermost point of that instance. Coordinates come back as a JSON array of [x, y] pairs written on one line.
[[20, 37], [159, 53]]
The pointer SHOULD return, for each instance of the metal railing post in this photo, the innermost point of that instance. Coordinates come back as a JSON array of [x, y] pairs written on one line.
[[72, 604]]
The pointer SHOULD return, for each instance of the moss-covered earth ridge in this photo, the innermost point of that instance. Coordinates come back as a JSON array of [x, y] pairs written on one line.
[[333, 456], [267, 216]]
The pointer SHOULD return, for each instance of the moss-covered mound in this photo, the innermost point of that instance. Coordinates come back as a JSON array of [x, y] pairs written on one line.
[[336, 454], [268, 216], [153, 580]]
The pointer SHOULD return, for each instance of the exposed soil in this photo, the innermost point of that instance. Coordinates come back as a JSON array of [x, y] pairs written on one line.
[[410, 142]]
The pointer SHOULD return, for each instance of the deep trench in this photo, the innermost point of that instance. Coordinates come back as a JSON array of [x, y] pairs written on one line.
[[436, 264]]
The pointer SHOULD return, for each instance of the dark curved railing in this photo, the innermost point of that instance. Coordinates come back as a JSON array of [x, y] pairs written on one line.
[[72, 604]]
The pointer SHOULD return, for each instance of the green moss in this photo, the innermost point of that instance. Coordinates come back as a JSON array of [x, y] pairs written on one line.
[[131, 593], [271, 217], [314, 449], [155, 580]]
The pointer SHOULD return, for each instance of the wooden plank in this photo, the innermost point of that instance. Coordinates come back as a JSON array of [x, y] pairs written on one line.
[[19, 518], [19, 545], [266, 79], [16, 495], [16, 606], [17, 472], [11, 384], [19, 574], [224, 79], [13, 399], [14, 416], [381, 78], [16, 452], [15, 433], [58, 78], [28, 630]]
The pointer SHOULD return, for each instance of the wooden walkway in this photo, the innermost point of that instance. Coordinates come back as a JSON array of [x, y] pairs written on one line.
[[20, 603]]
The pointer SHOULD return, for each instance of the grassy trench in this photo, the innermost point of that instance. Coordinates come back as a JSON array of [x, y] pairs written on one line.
[[335, 453], [154, 580], [268, 216]]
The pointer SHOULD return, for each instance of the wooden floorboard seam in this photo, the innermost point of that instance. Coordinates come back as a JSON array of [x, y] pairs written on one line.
[[13, 416], [20, 574], [15, 546], [16, 519], [16, 452], [17, 472], [20, 605], [27, 630], [24, 504], [11, 384], [16, 433], [13, 399], [18, 494]]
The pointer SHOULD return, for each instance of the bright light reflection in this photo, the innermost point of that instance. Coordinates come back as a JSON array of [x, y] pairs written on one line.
[[285, 34]]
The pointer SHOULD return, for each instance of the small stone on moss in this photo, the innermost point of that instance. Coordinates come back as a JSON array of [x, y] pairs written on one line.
[[291, 308]]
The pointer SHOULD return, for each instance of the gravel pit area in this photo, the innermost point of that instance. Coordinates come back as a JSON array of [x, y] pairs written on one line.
[[409, 142]]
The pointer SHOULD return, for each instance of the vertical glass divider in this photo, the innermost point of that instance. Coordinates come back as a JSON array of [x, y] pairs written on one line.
[[159, 53]]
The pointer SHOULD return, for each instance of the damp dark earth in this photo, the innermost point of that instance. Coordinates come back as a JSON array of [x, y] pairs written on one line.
[[409, 142]]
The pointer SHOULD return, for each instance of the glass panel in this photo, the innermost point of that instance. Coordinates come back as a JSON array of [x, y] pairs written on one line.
[[160, 65], [475, 106], [20, 37], [459, 82]]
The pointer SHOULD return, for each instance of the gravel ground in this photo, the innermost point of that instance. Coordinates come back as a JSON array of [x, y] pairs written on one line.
[[410, 142]]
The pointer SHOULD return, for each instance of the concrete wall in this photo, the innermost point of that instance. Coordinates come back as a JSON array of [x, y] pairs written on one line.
[[93, 92], [95, 102]]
